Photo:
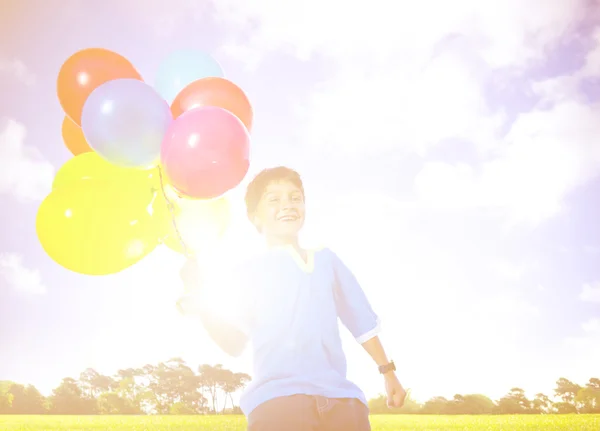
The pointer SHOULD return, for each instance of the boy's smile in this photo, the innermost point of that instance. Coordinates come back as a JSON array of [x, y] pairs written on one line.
[[289, 217]]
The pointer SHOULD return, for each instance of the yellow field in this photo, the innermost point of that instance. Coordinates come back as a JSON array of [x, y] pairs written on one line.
[[238, 423]]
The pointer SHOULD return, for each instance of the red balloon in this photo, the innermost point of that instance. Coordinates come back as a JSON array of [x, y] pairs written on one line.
[[214, 91], [206, 152]]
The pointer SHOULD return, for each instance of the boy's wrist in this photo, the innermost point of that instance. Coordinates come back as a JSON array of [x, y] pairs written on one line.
[[391, 375], [387, 368]]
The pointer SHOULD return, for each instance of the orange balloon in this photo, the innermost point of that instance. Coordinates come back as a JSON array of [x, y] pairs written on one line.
[[214, 91], [85, 71], [73, 137]]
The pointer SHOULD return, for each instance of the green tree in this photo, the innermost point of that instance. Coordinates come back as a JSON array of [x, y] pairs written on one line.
[[231, 383], [436, 406], [588, 397], [379, 406], [111, 403], [147, 400], [566, 390], [126, 384], [86, 380], [455, 405], [541, 404], [5, 397], [175, 382], [594, 382], [211, 378], [27, 400], [92, 383], [68, 399], [6, 400], [187, 388], [168, 387], [564, 408], [515, 402], [478, 404]]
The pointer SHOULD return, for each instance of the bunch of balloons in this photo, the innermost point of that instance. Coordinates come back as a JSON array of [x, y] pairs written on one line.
[[151, 163]]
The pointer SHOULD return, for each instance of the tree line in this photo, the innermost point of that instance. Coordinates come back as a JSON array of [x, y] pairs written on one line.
[[568, 397], [170, 387], [173, 387]]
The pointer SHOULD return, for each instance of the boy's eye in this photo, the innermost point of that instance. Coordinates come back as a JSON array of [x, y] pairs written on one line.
[[297, 199]]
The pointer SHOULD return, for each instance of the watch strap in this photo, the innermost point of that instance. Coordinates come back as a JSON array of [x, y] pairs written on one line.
[[383, 369]]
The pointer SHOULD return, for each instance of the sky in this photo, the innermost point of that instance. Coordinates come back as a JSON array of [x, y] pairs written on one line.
[[450, 156]]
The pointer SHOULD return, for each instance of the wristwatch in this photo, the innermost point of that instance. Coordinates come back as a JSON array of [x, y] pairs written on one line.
[[383, 369]]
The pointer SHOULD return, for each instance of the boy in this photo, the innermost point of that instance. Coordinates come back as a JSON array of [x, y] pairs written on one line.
[[289, 309]]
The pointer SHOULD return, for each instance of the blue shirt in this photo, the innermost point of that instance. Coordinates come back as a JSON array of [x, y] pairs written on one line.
[[289, 310]]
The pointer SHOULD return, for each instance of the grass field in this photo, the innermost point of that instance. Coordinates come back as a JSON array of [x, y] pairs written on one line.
[[238, 423]]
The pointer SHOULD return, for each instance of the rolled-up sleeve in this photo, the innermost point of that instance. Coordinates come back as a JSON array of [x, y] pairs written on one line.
[[353, 307]]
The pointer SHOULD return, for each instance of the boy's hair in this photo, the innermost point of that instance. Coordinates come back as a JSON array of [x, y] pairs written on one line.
[[257, 186]]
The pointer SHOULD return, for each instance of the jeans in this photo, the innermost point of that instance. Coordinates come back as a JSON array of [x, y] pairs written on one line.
[[310, 413]]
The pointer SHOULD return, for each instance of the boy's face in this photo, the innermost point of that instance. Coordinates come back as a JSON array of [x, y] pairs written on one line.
[[280, 212]]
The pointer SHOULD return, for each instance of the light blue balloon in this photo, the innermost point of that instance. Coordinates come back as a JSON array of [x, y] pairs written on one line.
[[183, 67], [124, 121]]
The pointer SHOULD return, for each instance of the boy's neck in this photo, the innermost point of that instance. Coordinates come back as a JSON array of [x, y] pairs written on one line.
[[273, 242], [288, 242]]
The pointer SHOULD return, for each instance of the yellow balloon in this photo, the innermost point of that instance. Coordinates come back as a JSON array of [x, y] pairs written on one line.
[[97, 227], [200, 223], [90, 165]]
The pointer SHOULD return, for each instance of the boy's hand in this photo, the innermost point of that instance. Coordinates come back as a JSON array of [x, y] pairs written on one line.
[[396, 395]]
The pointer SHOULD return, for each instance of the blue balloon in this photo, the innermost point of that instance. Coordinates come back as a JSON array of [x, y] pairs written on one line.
[[124, 121], [183, 67]]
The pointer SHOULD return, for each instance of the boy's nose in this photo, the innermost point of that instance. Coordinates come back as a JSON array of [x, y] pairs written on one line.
[[286, 203]]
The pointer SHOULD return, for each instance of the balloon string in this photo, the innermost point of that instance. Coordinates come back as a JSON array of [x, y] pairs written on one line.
[[186, 250]]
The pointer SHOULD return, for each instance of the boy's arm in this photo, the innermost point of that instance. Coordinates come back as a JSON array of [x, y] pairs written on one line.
[[353, 307], [356, 314], [395, 392], [231, 339]]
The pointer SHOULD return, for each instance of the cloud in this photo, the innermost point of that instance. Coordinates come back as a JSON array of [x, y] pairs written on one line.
[[590, 293], [545, 155], [508, 270], [410, 109], [18, 69], [166, 18], [24, 173], [511, 33], [410, 76], [584, 352], [584, 348], [18, 277], [563, 88], [592, 59], [446, 186], [591, 326]]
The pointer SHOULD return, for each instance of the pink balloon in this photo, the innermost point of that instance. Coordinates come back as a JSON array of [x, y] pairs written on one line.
[[206, 152]]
